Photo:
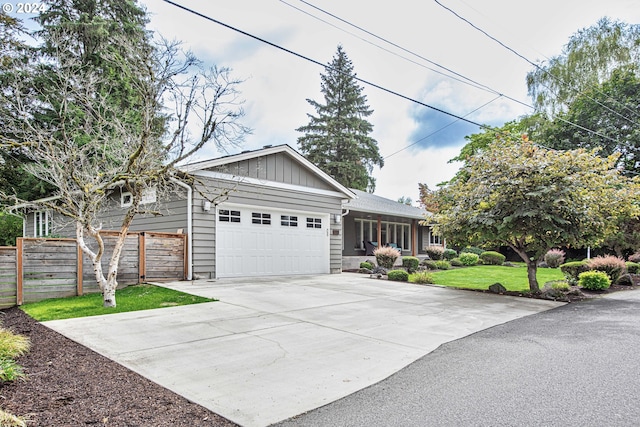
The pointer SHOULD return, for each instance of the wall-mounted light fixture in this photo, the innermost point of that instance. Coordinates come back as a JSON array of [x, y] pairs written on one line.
[[337, 218], [206, 205]]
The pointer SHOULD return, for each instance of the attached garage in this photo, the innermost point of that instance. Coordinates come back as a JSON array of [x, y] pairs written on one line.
[[257, 241]]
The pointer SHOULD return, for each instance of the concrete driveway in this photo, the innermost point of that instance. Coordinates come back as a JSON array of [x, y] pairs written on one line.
[[273, 348]]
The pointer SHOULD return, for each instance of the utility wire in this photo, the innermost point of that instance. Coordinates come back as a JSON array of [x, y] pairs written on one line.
[[531, 62], [306, 58]]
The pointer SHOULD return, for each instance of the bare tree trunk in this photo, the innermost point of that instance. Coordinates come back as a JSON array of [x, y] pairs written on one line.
[[95, 257], [532, 267]]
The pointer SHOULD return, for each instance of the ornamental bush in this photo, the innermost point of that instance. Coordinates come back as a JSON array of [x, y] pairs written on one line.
[[633, 267], [572, 270], [430, 264], [411, 263], [386, 256], [449, 254], [554, 258], [423, 277], [435, 252], [367, 265], [456, 262], [594, 280], [612, 265], [443, 265], [473, 250], [468, 259], [398, 275], [492, 258]]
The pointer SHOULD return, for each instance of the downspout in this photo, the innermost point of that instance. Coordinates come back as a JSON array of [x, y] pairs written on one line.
[[189, 226]]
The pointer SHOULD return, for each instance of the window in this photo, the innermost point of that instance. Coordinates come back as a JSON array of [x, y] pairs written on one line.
[[288, 221], [42, 223], [434, 239], [314, 222], [260, 218], [126, 199], [225, 215], [390, 232]]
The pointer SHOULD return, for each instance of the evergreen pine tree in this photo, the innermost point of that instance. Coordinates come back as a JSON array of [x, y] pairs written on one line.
[[337, 138]]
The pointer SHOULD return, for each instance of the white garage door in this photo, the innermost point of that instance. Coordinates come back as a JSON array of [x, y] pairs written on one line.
[[252, 241]]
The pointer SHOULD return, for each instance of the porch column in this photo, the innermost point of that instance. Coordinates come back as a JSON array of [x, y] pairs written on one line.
[[414, 238], [379, 237]]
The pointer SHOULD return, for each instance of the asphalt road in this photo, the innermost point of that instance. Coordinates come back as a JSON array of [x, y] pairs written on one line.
[[577, 365]]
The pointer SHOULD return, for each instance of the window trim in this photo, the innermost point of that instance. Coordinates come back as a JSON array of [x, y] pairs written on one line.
[[260, 218], [289, 220], [402, 230], [230, 216], [38, 223]]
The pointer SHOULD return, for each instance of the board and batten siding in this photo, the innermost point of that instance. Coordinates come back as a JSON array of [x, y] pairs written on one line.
[[243, 193], [277, 167]]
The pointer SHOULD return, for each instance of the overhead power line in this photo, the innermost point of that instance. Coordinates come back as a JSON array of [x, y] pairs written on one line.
[[536, 66], [306, 58]]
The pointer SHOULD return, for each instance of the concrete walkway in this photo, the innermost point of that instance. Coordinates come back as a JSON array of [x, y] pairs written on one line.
[[273, 348]]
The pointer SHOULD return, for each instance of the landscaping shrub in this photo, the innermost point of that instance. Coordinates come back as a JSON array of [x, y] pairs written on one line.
[[468, 259], [435, 252], [572, 270], [456, 262], [11, 346], [492, 258], [430, 264], [635, 257], [473, 250], [411, 263], [449, 254], [443, 265], [625, 280], [386, 256], [398, 276], [612, 265], [633, 267], [366, 265], [594, 280], [423, 277], [560, 285], [554, 258]]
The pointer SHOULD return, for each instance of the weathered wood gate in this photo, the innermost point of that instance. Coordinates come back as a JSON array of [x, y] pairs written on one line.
[[37, 269]]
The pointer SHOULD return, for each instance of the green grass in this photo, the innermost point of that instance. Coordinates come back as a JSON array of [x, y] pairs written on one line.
[[131, 298], [482, 276]]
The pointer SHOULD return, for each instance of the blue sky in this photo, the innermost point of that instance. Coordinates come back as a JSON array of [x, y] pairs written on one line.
[[276, 84]]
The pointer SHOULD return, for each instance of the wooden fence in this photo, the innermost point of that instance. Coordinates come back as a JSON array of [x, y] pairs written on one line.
[[37, 269]]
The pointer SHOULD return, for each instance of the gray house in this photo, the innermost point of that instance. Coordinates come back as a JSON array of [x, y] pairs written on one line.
[[278, 214]]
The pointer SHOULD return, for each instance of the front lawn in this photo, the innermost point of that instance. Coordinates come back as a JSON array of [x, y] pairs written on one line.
[[131, 298], [482, 276]]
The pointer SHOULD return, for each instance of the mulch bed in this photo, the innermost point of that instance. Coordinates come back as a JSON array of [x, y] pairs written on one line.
[[70, 385]]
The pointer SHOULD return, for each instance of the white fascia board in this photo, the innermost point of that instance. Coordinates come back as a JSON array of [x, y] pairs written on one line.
[[264, 183]]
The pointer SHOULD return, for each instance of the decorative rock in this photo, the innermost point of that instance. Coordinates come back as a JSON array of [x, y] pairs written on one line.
[[497, 288], [625, 280]]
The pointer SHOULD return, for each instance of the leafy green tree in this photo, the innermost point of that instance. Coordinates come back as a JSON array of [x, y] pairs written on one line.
[[337, 138], [533, 199], [613, 130], [587, 60]]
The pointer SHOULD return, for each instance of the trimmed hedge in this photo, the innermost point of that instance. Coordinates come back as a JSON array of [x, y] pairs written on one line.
[[572, 270], [367, 265], [411, 263], [469, 259], [594, 280], [398, 276], [449, 254], [492, 258]]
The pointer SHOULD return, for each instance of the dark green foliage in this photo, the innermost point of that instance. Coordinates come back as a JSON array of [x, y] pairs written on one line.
[[411, 263], [456, 262], [398, 276], [594, 280], [492, 258], [366, 265], [10, 228], [337, 138], [449, 254], [572, 270], [633, 267], [430, 264], [473, 250]]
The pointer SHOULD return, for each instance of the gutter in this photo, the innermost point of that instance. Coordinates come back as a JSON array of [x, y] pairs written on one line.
[[189, 226]]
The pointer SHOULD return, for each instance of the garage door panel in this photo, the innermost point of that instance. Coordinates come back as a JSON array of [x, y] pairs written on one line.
[[247, 248]]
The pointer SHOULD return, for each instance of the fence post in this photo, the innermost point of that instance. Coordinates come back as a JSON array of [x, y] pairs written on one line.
[[19, 271], [79, 270], [142, 258]]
